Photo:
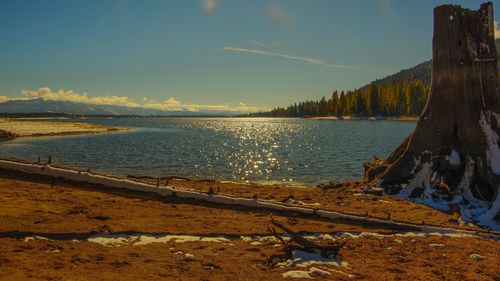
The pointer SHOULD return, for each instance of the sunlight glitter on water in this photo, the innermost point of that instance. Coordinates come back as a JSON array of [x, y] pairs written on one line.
[[294, 151]]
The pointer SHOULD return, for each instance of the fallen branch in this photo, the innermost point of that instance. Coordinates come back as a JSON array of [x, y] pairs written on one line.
[[304, 243]]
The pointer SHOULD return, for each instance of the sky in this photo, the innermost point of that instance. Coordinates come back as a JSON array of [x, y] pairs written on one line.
[[200, 55]]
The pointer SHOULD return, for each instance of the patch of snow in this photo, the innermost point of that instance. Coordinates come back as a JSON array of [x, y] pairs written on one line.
[[298, 274], [139, 240], [255, 243], [112, 240], [343, 273], [246, 238], [493, 153], [488, 218], [304, 259], [214, 239], [421, 179], [454, 158], [319, 272]]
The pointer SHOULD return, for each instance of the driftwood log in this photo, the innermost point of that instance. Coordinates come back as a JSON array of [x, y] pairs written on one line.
[[453, 154]]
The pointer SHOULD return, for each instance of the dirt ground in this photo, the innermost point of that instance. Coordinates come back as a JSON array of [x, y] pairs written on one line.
[[46, 231]]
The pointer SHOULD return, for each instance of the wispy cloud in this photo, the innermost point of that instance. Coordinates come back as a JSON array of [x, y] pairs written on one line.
[[497, 31], [48, 94], [209, 6], [257, 43], [285, 56], [172, 104], [278, 15]]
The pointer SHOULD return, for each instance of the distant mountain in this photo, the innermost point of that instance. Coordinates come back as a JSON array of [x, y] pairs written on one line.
[[75, 108], [422, 72]]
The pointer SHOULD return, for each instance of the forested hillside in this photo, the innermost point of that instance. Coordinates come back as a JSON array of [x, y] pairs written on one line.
[[405, 97], [400, 94]]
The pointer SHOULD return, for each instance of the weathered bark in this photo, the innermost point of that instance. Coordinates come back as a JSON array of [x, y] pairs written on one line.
[[454, 150]]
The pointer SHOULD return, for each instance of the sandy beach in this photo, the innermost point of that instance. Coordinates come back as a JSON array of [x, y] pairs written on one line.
[[29, 128], [51, 229]]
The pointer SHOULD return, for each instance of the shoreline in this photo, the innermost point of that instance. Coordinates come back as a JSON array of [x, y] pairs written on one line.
[[303, 200], [20, 128], [59, 229]]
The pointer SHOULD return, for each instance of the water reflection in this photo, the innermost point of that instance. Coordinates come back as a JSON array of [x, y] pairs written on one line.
[[277, 150]]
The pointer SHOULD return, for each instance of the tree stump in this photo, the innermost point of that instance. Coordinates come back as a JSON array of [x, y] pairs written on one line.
[[453, 155]]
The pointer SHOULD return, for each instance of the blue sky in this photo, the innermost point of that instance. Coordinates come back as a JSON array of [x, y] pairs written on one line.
[[200, 55]]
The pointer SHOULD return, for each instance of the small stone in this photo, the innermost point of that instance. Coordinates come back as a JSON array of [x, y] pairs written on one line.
[[477, 257], [188, 257]]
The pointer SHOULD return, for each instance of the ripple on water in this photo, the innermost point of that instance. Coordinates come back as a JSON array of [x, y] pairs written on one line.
[[294, 151]]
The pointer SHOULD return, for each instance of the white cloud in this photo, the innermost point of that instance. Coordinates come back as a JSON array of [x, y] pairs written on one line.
[[172, 104], [497, 31], [47, 94], [257, 43], [278, 15], [286, 56], [4, 98], [209, 6]]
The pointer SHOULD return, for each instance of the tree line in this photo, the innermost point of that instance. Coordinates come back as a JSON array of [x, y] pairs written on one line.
[[403, 98]]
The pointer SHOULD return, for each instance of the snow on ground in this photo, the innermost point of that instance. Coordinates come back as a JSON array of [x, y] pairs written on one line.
[[454, 158], [139, 240], [493, 152], [421, 179], [302, 259]]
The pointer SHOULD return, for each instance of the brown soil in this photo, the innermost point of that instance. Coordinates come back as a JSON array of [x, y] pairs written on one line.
[[347, 199], [63, 212]]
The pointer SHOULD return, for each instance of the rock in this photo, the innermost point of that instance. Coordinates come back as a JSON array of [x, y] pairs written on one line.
[[188, 257], [477, 257]]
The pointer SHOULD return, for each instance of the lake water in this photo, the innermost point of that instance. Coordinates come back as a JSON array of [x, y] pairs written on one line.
[[292, 151]]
